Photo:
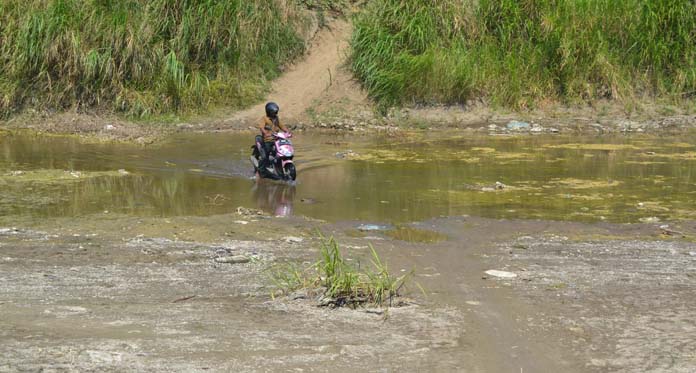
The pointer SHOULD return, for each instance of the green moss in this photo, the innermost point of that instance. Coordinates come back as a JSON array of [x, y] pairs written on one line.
[[51, 176]]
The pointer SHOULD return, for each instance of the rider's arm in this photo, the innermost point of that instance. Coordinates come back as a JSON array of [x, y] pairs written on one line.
[[282, 126]]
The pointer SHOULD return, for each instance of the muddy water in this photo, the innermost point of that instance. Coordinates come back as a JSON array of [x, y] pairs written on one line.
[[409, 178]]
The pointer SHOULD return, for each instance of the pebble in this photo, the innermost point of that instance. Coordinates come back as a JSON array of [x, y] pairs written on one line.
[[517, 125], [291, 239], [501, 274], [235, 259], [371, 227]]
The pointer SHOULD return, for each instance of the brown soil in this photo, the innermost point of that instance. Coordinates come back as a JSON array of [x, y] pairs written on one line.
[[321, 82]]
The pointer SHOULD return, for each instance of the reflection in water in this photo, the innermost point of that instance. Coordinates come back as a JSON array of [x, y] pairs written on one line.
[[274, 197]]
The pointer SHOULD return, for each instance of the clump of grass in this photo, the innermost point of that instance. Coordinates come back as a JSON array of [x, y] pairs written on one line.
[[143, 57], [520, 53], [340, 282]]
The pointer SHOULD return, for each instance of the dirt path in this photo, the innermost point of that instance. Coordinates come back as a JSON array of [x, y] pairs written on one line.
[[320, 80]]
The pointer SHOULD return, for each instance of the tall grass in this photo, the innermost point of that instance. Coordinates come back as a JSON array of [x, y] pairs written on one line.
[[143, 56], [519, 53]]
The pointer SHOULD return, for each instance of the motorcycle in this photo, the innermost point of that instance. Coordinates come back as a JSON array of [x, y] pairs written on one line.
[[281, 165]]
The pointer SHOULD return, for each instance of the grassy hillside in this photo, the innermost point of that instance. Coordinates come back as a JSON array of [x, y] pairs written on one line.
[[143, 57], [520, 53]]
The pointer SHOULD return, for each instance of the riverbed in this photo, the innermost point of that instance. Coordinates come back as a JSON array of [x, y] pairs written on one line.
[[109, 253]]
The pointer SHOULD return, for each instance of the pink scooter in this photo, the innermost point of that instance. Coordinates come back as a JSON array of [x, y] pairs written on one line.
[[281, 165]]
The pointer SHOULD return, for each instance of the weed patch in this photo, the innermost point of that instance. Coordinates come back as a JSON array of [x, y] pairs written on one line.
[[337, 282]]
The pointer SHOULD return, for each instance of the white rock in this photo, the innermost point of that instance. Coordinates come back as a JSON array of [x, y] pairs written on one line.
[[235, 259], [501, 274]]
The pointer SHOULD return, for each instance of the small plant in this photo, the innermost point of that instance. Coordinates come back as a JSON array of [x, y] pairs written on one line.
[[339, 282]]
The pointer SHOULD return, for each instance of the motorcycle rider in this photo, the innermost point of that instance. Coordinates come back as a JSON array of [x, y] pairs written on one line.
[[269, 124]]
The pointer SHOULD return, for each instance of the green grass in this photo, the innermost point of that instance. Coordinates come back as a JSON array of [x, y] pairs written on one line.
[[143, 57], [340, 282], [523, 53]]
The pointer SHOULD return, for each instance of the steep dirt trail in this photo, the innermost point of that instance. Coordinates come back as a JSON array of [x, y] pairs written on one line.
[[320, 78]]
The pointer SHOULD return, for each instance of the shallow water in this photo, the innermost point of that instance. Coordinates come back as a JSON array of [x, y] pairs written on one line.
[[409, 178]]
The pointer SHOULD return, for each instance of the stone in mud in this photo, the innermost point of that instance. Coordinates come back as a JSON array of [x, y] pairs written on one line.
[[248, 212], [652, 219], [234, 259], [292, 239], [9, 230], [536, 128], [371, 227], [500, 274], [517, 125]]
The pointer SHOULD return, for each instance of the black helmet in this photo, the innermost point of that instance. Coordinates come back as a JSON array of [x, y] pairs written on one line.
[[272, 109]]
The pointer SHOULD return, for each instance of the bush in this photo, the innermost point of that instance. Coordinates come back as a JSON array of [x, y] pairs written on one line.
[[340, 282]]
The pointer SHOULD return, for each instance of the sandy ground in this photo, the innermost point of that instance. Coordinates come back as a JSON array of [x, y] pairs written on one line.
[[99, 294], [320, 81]]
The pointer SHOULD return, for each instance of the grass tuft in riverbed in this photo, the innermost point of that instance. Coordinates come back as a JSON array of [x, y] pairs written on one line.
[[339, 281]]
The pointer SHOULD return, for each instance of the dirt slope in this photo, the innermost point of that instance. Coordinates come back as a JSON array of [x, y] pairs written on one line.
[[319, 81]]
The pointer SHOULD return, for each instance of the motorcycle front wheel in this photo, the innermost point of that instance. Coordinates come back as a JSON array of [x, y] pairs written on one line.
[[290, 171]]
